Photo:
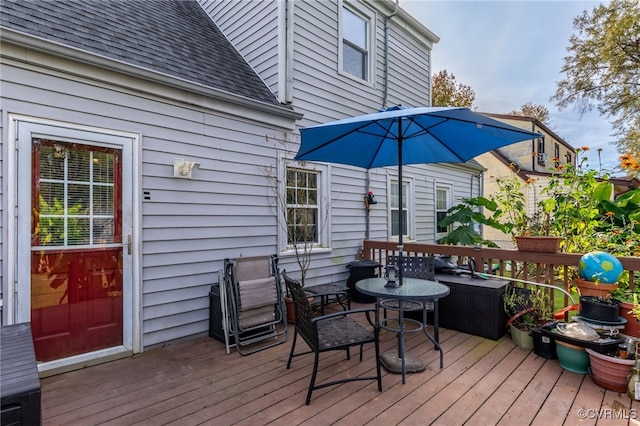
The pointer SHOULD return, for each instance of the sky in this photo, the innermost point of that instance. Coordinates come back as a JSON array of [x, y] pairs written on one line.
[[511, 52]]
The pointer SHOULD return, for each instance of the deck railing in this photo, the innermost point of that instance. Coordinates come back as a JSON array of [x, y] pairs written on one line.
[[556, 269]]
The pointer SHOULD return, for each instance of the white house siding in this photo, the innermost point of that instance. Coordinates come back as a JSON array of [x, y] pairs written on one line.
[[322, 93], [252, 27], [188, 227], [2, 215]]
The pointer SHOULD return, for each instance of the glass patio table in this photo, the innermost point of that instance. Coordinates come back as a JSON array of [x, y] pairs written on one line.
[[414, 294]]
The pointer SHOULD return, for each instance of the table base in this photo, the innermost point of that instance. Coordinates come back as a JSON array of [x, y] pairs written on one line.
[[393, 364]]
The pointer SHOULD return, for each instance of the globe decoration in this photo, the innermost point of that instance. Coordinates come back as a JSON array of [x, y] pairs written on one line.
[[600, 266]]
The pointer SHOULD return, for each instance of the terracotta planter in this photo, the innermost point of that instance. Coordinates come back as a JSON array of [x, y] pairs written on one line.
[[609, 372], [589, 288], [538, 244], [632, 327], [291, 313]]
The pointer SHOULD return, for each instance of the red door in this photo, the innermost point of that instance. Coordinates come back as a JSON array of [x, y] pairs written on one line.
[[76, 249]]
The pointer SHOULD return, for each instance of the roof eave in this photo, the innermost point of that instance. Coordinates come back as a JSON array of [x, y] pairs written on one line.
[[39, 44]]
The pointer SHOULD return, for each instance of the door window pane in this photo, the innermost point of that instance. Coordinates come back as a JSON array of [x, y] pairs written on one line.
[[75, 195]]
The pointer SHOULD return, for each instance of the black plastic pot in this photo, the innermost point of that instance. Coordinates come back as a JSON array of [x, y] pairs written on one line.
[[543, 345], [598, 309]]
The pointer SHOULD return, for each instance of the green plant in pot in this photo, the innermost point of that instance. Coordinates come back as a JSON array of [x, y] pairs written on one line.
[[505, 210], [628, 308], [527, 309]]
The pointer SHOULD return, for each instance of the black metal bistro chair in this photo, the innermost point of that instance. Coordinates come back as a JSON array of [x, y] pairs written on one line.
[[422, 267], [331, 332]]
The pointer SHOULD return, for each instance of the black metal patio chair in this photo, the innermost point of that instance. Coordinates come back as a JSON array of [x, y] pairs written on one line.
[[331, 332]]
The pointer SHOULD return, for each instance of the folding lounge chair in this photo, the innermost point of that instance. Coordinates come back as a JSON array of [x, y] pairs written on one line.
[[254, 316]]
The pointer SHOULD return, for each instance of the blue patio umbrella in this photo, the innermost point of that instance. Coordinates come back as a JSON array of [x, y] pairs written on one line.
[[402, 135]]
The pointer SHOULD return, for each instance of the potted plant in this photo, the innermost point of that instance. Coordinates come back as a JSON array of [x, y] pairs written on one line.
[[530, 227], [610, 370], [628, 309], [527, 309], [505, 210]]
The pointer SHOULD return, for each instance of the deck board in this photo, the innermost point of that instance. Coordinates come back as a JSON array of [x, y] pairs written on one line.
[[195, 382]]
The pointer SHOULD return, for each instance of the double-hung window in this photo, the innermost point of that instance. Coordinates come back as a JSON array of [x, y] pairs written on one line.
[[407, 209], [356, 44], [303, 211], [443, 201]]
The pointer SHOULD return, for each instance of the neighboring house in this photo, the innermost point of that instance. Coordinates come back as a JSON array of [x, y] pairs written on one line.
[[532, 160], [106, 246]]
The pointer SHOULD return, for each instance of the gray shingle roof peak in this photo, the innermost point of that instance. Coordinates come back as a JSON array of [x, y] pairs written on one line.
[[173, 37]]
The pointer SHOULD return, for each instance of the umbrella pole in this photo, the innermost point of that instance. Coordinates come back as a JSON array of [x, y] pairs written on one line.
[[398, 283], [400, 218]]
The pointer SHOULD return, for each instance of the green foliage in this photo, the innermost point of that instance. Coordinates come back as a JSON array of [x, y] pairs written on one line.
[[517, 299], [576, 205], [539, 112], [603, 68], [445, 92], [51, 228], [574, 194], [465, 215]]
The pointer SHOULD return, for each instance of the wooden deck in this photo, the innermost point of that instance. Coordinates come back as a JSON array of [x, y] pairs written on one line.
[[483, 382]]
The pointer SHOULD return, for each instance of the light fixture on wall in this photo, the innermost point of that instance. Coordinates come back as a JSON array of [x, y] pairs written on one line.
[[183, 168]]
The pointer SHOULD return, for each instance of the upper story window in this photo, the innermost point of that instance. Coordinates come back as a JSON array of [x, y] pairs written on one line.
[[542, 156], [556, 151], [356, 43], [568, 157]]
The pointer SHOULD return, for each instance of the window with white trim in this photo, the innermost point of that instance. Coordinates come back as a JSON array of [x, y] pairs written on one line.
[[304, 215], [302, 201], [407, 209], [443, 203], [356, 43]]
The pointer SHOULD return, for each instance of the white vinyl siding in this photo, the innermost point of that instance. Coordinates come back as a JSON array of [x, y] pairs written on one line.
[[253, 28], [323, 93], [187, 227]]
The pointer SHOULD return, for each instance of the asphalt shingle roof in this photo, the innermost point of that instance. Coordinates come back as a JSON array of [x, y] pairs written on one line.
[[174, 37]]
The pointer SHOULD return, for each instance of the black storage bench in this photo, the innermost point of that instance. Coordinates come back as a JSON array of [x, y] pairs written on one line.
[[20, 390], [474, 305]]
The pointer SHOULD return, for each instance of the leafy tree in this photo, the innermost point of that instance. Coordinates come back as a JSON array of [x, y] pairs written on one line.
[[445, 91], [603, 69], [539, 112]]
